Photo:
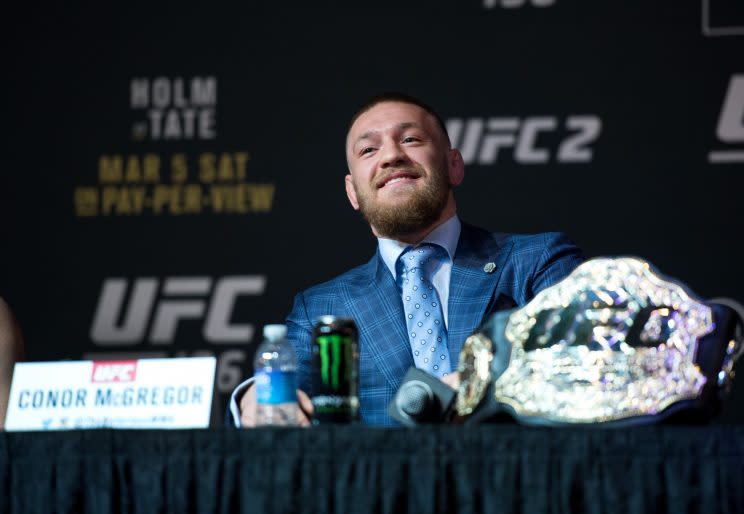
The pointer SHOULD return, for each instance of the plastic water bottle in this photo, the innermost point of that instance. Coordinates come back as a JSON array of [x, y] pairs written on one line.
[[275, 370]]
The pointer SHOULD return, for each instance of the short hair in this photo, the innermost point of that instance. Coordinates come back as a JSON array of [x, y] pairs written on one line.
[[395, 96]]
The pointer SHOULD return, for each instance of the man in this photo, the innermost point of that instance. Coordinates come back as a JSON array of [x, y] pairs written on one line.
[[11, 350], [433, 279]]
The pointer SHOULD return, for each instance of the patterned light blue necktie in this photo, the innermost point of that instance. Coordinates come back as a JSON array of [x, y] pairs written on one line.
[[426, 329]]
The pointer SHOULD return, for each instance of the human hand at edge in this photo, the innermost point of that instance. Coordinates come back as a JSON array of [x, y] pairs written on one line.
[[248, 408]]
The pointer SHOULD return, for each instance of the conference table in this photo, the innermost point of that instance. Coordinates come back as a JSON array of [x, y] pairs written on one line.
[[359, 469]]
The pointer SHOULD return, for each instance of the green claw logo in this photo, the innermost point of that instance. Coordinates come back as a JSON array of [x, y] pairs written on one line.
[[330, 349]]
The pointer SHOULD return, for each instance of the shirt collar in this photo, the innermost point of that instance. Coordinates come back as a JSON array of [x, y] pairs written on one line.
[[445, 235]]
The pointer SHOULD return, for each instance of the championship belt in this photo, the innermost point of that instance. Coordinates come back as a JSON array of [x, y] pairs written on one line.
[[614, 342]]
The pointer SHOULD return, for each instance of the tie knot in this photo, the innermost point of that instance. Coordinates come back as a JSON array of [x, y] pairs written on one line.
[[425, 256]]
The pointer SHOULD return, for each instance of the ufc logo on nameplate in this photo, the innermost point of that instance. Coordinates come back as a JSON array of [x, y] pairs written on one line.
[[114, 371]]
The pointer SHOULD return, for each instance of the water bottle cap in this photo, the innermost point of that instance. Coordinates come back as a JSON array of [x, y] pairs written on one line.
[[274, 332]]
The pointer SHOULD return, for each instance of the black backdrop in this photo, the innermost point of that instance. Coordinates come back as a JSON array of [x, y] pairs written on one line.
[[197, 153]]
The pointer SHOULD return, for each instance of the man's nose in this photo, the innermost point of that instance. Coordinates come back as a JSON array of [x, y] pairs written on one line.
[[392, 154]]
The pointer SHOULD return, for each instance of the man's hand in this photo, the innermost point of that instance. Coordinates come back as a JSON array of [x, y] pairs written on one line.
[[248, 408], [452, 380]]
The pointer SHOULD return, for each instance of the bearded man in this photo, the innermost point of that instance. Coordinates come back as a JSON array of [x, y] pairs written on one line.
[[433, 279]]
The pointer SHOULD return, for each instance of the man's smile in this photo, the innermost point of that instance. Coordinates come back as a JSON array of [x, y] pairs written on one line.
[[398, 178]]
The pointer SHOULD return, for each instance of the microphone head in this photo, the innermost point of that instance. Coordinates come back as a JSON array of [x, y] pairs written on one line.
[[414, 399], [421, 398]]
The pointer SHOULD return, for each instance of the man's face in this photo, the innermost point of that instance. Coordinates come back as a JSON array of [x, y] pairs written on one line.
[[401, 169]]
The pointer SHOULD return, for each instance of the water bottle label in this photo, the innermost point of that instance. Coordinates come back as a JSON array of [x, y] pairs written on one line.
[[274, 387]]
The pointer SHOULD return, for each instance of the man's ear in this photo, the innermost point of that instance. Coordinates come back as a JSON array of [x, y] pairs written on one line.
[[351, 192], [456, 167]]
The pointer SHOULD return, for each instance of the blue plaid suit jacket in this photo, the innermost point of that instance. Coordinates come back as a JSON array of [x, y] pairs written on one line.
[[525, 264]]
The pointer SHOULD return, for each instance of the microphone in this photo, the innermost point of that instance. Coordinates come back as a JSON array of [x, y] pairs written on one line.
[[422, 398]]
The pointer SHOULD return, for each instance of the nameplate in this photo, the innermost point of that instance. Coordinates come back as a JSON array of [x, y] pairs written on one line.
[[145, 393]]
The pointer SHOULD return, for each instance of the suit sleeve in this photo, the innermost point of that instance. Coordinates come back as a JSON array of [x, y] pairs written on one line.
[[299, 335], [232, 414], [558, 258]]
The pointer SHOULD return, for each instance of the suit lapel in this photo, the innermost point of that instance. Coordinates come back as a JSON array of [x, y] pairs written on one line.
[[375, 303], [472, 288]]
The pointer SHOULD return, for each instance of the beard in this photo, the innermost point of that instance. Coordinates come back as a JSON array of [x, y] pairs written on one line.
[[417, 213]]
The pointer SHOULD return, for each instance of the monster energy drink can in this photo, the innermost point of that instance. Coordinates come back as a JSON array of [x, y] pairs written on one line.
[[335, 370]]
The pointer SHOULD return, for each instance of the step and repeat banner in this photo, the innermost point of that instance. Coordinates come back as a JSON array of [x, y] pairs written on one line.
[[173, 177]]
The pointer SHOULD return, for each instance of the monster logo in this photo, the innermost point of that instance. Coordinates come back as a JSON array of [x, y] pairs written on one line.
[[334, 352]]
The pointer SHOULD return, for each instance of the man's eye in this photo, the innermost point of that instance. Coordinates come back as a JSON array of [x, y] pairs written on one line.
[[365, 150], [410, 139]]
